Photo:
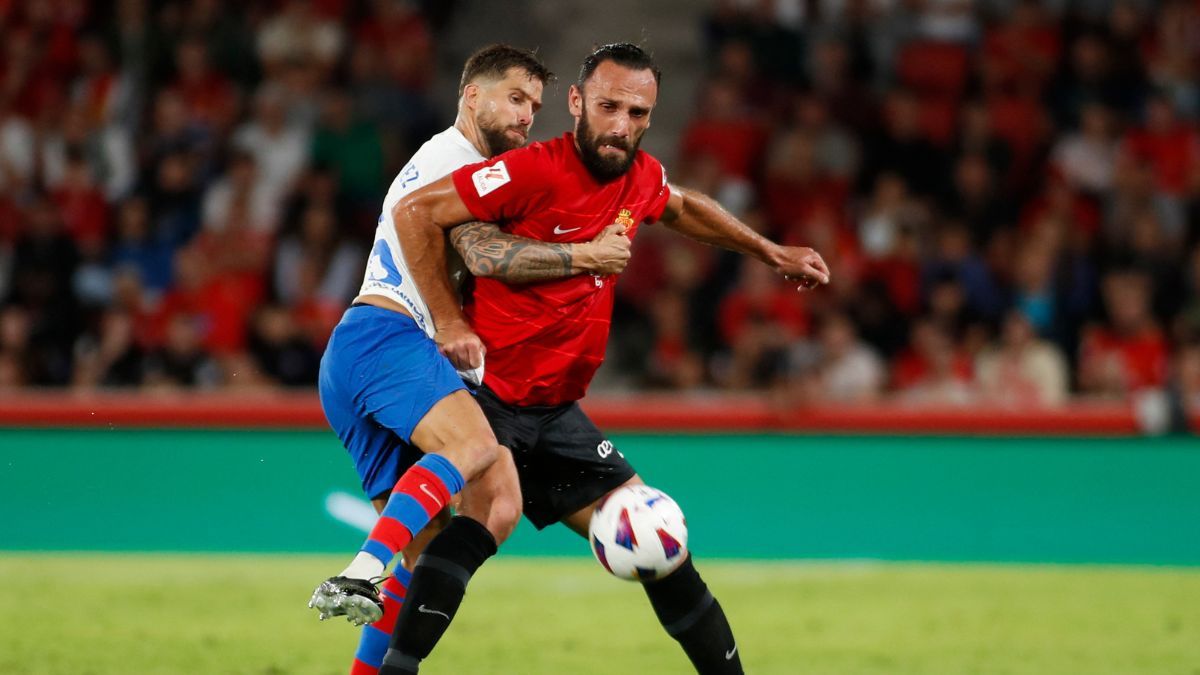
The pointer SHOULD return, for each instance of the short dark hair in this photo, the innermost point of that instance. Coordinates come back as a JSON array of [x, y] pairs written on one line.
[[493, 61], [624, 54]]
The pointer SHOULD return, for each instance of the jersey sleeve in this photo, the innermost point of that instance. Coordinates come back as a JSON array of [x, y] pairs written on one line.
[[659, 203], [503, 187]]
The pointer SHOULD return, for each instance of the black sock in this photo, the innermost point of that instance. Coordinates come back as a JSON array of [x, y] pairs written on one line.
[[691, 615], [438, 584]]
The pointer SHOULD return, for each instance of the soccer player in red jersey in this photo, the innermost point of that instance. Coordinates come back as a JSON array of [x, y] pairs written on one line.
[[391, 397], [544, 341]]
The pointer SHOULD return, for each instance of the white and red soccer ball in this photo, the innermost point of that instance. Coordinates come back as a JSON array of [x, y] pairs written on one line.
[[639, 533]]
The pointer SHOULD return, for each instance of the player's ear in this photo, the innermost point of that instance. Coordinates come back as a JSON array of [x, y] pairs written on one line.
[[471, 95], [575, 101]]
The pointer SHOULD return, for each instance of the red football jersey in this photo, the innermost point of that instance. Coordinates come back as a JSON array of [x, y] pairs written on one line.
[[545, 340]]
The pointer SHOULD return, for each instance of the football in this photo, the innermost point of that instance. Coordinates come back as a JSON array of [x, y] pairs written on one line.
[[639, 533]]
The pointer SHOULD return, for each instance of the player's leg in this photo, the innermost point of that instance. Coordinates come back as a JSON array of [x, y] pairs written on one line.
[[373, 643], [458, 446], [575, 458], [685, 607], [381, 371], [490, 509]]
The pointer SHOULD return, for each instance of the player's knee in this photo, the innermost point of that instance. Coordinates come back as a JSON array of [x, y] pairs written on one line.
[[473, 455], [504, 516]]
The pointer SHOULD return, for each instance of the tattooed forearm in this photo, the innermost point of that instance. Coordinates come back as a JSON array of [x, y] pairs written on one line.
[[488, 252]]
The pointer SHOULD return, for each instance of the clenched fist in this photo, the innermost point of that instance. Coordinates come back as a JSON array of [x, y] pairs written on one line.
[[607, 254], [461, 345]]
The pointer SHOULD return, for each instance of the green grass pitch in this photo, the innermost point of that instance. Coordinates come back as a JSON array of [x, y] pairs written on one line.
[[215, 614]]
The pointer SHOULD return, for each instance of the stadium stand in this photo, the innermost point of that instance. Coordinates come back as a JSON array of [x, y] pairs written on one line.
[[1008, 197]]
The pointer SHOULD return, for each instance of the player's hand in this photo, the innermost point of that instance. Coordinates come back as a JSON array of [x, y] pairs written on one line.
[[461, 345], [608, 253], [801, 264]]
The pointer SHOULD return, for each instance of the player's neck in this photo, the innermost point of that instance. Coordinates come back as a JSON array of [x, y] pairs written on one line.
[[466, 125]]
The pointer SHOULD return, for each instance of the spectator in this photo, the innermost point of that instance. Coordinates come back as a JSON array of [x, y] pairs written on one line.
[[16, 358], [674, 362], [402, 41], [136, 247], [17, 150], [1174, 54], [850, 371], [1021, 370], [112, 357], [298, 34], [903, 149], [239, 189], [1087, 158], [45, 261], [1128, 352], [353, 149], [213, 307], [758, 320], [934, 371], [279, 149], [182, 361], [81, 206], [281, 352], [107, 154], [977, 136], [316, 249], [209, 97], [725, 130], [795, 185], [976, 200], [1187, 374], [1168, 144]]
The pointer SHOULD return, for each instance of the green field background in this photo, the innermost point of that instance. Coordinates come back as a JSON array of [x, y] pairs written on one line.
[[746, 496]]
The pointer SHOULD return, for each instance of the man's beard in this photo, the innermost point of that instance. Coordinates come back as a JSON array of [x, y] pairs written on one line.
[[494, 135], [602, 168]]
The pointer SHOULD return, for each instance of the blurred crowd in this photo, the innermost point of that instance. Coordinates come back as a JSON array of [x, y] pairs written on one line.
[[188, 189], [1007, 194]]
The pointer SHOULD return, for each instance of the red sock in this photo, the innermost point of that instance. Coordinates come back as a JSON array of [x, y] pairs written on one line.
[[423, 491]]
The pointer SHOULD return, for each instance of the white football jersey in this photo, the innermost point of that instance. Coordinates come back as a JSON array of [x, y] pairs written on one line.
[[387, 273]]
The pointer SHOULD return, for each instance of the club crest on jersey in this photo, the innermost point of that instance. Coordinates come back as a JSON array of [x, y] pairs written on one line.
[[490, 178], [624, 217]]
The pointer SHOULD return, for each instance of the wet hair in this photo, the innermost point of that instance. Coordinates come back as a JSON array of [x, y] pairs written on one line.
[[494, 61], [624, 54]]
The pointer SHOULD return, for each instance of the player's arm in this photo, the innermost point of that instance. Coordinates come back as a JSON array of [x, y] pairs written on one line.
[[490, 252], [698, 216], [422, 218]]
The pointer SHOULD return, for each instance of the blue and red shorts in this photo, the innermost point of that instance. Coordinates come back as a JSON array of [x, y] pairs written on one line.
[[379, 376]]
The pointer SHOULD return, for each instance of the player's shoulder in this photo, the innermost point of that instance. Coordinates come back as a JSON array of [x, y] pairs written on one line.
[[537, 152], [644, 161], [447, 150], [646, 168], [540, 163]]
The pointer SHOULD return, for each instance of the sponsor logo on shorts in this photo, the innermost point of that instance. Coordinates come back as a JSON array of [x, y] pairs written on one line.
[[606, 448]]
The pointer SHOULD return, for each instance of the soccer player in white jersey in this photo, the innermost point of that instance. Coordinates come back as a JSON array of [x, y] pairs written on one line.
[[387, 383]]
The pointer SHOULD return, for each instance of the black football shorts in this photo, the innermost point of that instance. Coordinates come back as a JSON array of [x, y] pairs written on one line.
[[563, 461]]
